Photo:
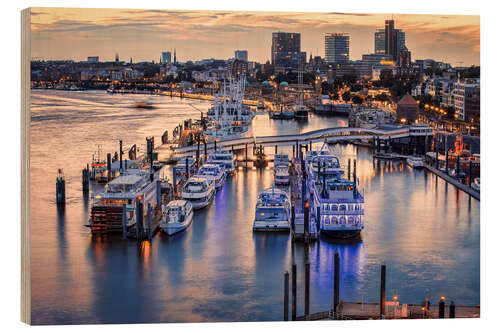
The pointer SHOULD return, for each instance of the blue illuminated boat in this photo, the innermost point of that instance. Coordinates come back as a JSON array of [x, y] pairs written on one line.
[[272, 211]]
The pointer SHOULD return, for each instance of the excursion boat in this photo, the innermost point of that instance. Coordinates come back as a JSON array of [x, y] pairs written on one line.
[[281, 175], [225, 158], [98, 170], [229, 118], [415, 162], [272, 211], [176, 216], [199, 191], [281, 159], [339, 201], [107, 207], [214, 173]]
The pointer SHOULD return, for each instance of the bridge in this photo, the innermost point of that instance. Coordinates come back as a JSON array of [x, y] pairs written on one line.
[[331, 135]]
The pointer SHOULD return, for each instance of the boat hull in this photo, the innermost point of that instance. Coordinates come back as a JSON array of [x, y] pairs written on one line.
[[341, 234], [173, 228], [271, 226]]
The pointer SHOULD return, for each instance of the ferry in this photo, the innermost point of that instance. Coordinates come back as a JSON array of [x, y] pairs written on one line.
[[339, 201], [198, 191], [415, 162], [281, 175], [176, 216], [225, 158], [213, 172], [127, 189], [272, 211]]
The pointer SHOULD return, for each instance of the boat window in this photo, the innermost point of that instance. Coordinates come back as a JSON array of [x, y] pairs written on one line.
[[342, 207], [335, 208], [342, 220], [334, 220]]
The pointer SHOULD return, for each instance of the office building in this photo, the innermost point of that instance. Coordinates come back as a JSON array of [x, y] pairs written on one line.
[[380, 41], [285, 50], [166, 57], [336, 48], [392, 45], [94, 59], [241, 55]]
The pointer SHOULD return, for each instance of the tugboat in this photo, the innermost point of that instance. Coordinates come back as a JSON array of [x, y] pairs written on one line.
[[339, 201], [176, 216], [272, 211]]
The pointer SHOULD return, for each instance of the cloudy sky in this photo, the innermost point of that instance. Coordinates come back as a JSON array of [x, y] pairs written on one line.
[[64, 33]]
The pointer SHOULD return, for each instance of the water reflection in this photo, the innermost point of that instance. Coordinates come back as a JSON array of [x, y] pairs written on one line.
[[218, 269]]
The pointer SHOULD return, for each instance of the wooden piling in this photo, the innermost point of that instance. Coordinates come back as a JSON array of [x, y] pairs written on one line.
[[108, 160], [336, 282], [294, 291], [349, 169], [382, 292], [275, 149], [124, 221], [441, 308], [306, 222], [85, 181], [354, 171], [285, 298], [246, 156], [187, 168], [158, 194], [306, 288], [60, 188], [452, 310], [470, 173], [150, 217], [205, 148], [310, 145], [318, 218], [121, 155]]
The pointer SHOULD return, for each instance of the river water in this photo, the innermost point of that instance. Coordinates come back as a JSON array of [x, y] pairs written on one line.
[[425, 231]]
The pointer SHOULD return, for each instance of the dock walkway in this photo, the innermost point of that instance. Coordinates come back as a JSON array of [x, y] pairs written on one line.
[[454, 182]]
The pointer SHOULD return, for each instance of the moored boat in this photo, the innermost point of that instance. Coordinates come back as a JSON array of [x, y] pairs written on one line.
[[272, 211], [415, 162], [199, 191], [177, 215], [225, 158], [214, 173]]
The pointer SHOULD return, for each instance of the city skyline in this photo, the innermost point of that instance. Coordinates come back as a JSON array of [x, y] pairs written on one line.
[[66, 33]]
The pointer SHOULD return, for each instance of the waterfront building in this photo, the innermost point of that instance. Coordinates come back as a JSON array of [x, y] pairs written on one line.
[[241, 55], [285, 50], [337, 47], [93, 59], [466, 98], [407, 110], [166, 57]]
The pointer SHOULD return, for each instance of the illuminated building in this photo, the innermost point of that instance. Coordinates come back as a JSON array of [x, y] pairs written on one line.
[[285, 50], [337, 48]]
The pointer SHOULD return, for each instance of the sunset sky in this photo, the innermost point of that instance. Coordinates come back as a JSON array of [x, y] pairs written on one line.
[[63, 33]]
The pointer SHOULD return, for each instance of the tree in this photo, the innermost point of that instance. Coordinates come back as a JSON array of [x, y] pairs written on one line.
[[346, 96], [357, 100], [334, 96]]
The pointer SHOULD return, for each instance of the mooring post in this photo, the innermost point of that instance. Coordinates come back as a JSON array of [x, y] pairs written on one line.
[[306, 222], [275, 149], [306, 289], [137, 218], [294, 291], [215, 145], [174, 181], [198, 153], [60, 188], [354, 171], [336, 282], [318, 218], [124, 221], [310, 145], [108, 157], [246, 155], [441, 307], [121, 155], [382, 292], [447, 160], [293, 151], [150, 217], [293, 220], [436, 151], [85, 181], [187, 168], [452, 310], [470, 173], [205, 147], [125, 164], [349, 169], [158, 194], [285, 300]]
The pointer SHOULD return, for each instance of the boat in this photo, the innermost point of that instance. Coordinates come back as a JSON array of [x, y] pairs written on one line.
[[127, 189], [177, 215], [214, 173], [281, 175], [144, 105], [199, 191], [476, 184], [229, 118], [98, 170], [340, 204], [272, 211], [225, 158], [281, 159], [415, 162], [301, 112]]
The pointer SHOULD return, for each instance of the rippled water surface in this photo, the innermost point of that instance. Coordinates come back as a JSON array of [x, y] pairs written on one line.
[[425, 231]]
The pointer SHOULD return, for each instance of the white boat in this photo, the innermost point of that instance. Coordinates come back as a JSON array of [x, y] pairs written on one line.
[[272, 211], [415, 162], [225, 158], [229, 118], [476, 184], [214, 173], [176, 216], [127, 189], [281, 175], [199, 191], [281, 159]]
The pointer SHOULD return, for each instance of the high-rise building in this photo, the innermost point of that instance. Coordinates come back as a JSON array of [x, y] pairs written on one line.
[[175, 57], [285, 50], [117, 58], [166, 57], [380, 41], [241, 55], [336, 48]]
